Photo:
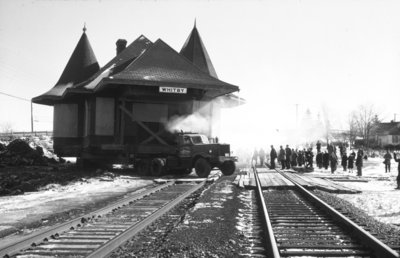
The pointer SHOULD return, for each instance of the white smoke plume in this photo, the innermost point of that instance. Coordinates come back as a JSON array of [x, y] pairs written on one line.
[[192, 123]]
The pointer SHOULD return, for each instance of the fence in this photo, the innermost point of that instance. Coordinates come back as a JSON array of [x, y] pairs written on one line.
[[25, 134]]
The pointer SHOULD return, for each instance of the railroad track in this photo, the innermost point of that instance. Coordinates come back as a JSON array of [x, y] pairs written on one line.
[[298, 224], [99, 233]]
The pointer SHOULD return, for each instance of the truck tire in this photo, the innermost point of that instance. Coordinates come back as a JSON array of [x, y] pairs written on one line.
[[202, 167], [228, 167], [157, 167]]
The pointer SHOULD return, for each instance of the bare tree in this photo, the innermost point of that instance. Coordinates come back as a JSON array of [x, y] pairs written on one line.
[[364, 118]]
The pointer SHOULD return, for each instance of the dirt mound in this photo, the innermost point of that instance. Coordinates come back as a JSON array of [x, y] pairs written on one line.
[[20, 153], [19, 146]]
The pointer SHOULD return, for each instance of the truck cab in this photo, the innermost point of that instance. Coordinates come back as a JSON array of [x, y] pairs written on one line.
[[196, 151]]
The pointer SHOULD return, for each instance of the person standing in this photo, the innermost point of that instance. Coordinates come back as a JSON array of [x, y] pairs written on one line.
[[387, 158], [397, 159], [293, 158], [344, 161], [300, 158], [318, 147], [359, 162], [350, 162], [325, 159], [333, 162], [288, 152], [281, 157], [273, 155], [319, 159]]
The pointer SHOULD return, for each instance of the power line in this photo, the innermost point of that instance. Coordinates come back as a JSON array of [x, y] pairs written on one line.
[[15, 97]]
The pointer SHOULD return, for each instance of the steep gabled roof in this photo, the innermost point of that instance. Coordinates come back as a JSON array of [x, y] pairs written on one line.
[[118, 63], [123, 59], [160, 65], [80, 67], [196, 52]]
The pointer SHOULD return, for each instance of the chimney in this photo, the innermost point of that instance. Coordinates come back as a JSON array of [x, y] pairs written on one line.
[[121, 45]]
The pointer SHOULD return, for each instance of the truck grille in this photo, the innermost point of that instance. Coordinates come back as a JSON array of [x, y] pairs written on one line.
[[224, 148]]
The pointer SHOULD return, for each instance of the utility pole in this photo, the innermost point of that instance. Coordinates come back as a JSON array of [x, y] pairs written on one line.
[[31, 116], [394, 120], [297, 114]]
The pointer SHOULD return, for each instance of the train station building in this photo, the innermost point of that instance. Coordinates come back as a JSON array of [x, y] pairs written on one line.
[[129, 101]]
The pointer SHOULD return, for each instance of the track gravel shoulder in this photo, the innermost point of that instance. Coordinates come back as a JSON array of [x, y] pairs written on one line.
[[202, 226]]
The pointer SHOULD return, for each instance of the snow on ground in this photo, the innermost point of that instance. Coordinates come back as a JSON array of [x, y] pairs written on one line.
[[379, 198], [34, 206]]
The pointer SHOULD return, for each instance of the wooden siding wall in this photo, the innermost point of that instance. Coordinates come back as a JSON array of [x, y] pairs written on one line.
[[65, 120], [105, 113]]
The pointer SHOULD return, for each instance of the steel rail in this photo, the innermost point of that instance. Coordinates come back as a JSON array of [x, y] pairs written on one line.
[[380, 249], [14, 247], [272, 247], [110, 246]]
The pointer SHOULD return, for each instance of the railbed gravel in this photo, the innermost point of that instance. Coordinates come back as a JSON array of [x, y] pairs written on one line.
[[201, 226], [389, 234], [204, 225]]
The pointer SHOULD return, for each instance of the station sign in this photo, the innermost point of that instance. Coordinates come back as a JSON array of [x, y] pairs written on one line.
[[173, 90]]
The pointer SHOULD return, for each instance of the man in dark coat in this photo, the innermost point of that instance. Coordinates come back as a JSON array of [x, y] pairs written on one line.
[[325, 160], [319, 159], [359, 162], [333, 161], [273, 155], [387, 158], [281, 157], [309, 158], [397, 159], [288, 152], [350, 162], [318, 147], [344, 161], [294, 158]]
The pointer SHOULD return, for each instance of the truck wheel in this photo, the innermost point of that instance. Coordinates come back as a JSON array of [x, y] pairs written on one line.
[[157, 167], [202, 168], [228, 167]]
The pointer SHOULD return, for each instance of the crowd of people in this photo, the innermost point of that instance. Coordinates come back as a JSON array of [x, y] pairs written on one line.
[[289, 157]]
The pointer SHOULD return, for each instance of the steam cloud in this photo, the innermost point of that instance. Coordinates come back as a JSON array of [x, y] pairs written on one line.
[[192, 123]]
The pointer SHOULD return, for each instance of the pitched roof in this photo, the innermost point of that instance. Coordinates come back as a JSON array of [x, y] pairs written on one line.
[[392, 128], [81, 66], [123, 59], [195, 51], [160, 65]]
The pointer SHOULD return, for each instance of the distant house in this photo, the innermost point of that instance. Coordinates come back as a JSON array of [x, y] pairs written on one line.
[[386, 134]]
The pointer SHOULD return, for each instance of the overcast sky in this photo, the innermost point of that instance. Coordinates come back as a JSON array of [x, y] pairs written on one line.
[[314, 53]]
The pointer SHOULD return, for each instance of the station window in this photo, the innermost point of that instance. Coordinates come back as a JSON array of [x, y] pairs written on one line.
[[395, 138]]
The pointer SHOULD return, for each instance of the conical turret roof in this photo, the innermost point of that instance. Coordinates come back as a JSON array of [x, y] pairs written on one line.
[[195, 51], [80, 67]]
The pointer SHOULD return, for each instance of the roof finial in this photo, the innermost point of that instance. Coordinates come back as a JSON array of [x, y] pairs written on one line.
[[195, 22], [84, 27]]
